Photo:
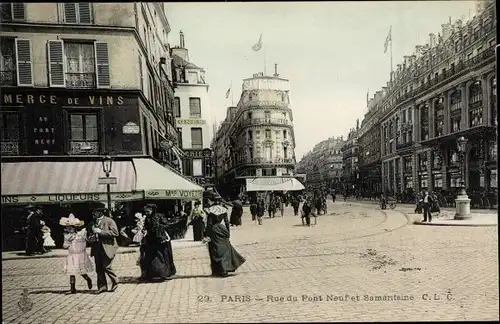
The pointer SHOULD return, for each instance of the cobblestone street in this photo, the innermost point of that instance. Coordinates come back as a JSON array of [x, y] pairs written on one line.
[[337, 270]]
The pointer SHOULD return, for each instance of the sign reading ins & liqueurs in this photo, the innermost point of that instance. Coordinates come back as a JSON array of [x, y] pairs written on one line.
[[69, 198]]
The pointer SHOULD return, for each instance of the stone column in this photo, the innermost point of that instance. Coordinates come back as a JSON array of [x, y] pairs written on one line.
[[485, 84], [464, 121], [446, 115], [414, 169], [416, 124], [444, 168], [430, 180], [395, 180], [401, 173], [431, 104]]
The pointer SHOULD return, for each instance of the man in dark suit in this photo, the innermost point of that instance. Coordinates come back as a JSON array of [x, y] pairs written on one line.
[[427, 202], [102, 233]]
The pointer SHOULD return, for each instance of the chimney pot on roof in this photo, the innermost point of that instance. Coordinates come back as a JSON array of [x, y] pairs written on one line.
[[182, 44]]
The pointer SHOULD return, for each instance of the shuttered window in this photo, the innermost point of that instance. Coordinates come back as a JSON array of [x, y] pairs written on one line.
[[78, 13], [177, 107], [9, 133], [194, 107], [8, 65], [24, 62], [56, 63], [80, 65], [196, 138], [102, 64], [12, 11]]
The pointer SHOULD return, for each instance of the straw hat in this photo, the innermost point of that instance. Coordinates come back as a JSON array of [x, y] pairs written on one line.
[[71, 220]]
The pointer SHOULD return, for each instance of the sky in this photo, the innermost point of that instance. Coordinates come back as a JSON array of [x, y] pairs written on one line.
[[332, 52]]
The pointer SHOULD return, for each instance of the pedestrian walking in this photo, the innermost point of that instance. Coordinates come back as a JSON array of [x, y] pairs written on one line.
[[197, 221], [157, 256], [418, 203], [236, 213], [253, 209], [48, 241], [223, 257], [281, 205], [101, 234], [33, 229], [427, 202], [78, 262], [296, 205], [261, 210], [307, 210]]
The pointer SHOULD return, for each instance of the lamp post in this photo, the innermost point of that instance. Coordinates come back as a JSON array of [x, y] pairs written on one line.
[[107, 164], [462, 202]]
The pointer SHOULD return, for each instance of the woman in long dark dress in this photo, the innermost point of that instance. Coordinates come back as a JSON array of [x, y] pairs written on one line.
[[236, 213], [157, 257], [223, 257], [197, 221]]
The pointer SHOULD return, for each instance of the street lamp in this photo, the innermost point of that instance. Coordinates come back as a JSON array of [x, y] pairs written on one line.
[[462, 202], [107, 164]]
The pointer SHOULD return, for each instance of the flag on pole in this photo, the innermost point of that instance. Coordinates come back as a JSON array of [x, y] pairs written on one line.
[[228, 92], [367, 96], [258, 45], [387, 40]]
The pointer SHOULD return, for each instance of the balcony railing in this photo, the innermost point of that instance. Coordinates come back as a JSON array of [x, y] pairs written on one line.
[[80, 80], [81, 148], [265, 104], [265, 121], [10, 147], [8, 78], [404, 145]]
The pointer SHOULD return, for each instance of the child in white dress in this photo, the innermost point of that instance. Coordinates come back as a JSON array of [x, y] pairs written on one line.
[[48, 241], [78, 261]]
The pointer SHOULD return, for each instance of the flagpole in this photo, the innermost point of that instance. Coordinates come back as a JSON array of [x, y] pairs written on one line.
[[232, 96], [392, 70], [265, 61]]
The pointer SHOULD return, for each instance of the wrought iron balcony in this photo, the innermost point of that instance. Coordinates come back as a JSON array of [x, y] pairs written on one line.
[[266, 121], [10, 147], [265, 104], [80, 80], [8, 78]]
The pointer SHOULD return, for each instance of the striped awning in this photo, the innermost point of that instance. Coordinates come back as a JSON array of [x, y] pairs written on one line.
[[274, 184], [42, 182]]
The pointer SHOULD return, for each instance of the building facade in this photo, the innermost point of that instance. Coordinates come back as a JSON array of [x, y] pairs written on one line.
[[80, 81], [64, 88], [350, 152], [192, 116], [323, 166], [445, 90], [257, 137]]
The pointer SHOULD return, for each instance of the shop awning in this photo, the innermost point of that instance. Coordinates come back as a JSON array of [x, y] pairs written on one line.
[[274, 184], [159, 182], [64, 182]]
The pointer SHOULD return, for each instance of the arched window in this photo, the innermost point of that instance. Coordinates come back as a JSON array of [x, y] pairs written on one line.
[[456, 100], [455, 110], [424, 122], [439, 116]]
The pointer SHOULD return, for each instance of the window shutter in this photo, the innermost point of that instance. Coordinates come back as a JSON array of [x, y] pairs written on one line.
[[70, 13], [85, 12], [56, 63], [18, 11], [24, 62], [102, 64]]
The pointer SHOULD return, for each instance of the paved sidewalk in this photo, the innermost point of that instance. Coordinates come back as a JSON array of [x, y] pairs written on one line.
[[358, 264]]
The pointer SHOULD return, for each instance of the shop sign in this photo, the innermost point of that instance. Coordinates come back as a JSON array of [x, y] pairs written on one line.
[[42, 99], [190, 121], [67, 198], [174, 194], [131, 128]]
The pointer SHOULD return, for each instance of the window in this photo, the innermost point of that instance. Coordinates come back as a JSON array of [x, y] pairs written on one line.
[[12, 11], [196, 138], [192, 77], [197, 167], [475, 117], [250, 153], [78, 13], [476, 93], [177, 107], [9, 133], [80, 65], [268, 134], [250, 135], [267, 115], [455, 123], [194, 107], [83, 133], [284, 134], [179, 136], [8, 76], [249, 115], [285, 152]]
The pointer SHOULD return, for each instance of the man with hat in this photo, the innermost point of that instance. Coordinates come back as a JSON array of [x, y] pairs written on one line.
[[34, 234], [102, 234]]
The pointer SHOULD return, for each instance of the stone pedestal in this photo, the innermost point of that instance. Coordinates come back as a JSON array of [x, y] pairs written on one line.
[[463, 207]]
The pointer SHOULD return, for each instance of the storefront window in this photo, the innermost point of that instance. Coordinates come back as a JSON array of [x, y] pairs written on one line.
[[84, 133], [9, 133], [438, 182], [493, 179]]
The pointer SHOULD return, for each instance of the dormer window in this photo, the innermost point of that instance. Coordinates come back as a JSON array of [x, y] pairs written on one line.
[[192, 77]]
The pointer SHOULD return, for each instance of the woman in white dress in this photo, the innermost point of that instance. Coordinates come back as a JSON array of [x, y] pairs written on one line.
[[48, 241], [78, 261]]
